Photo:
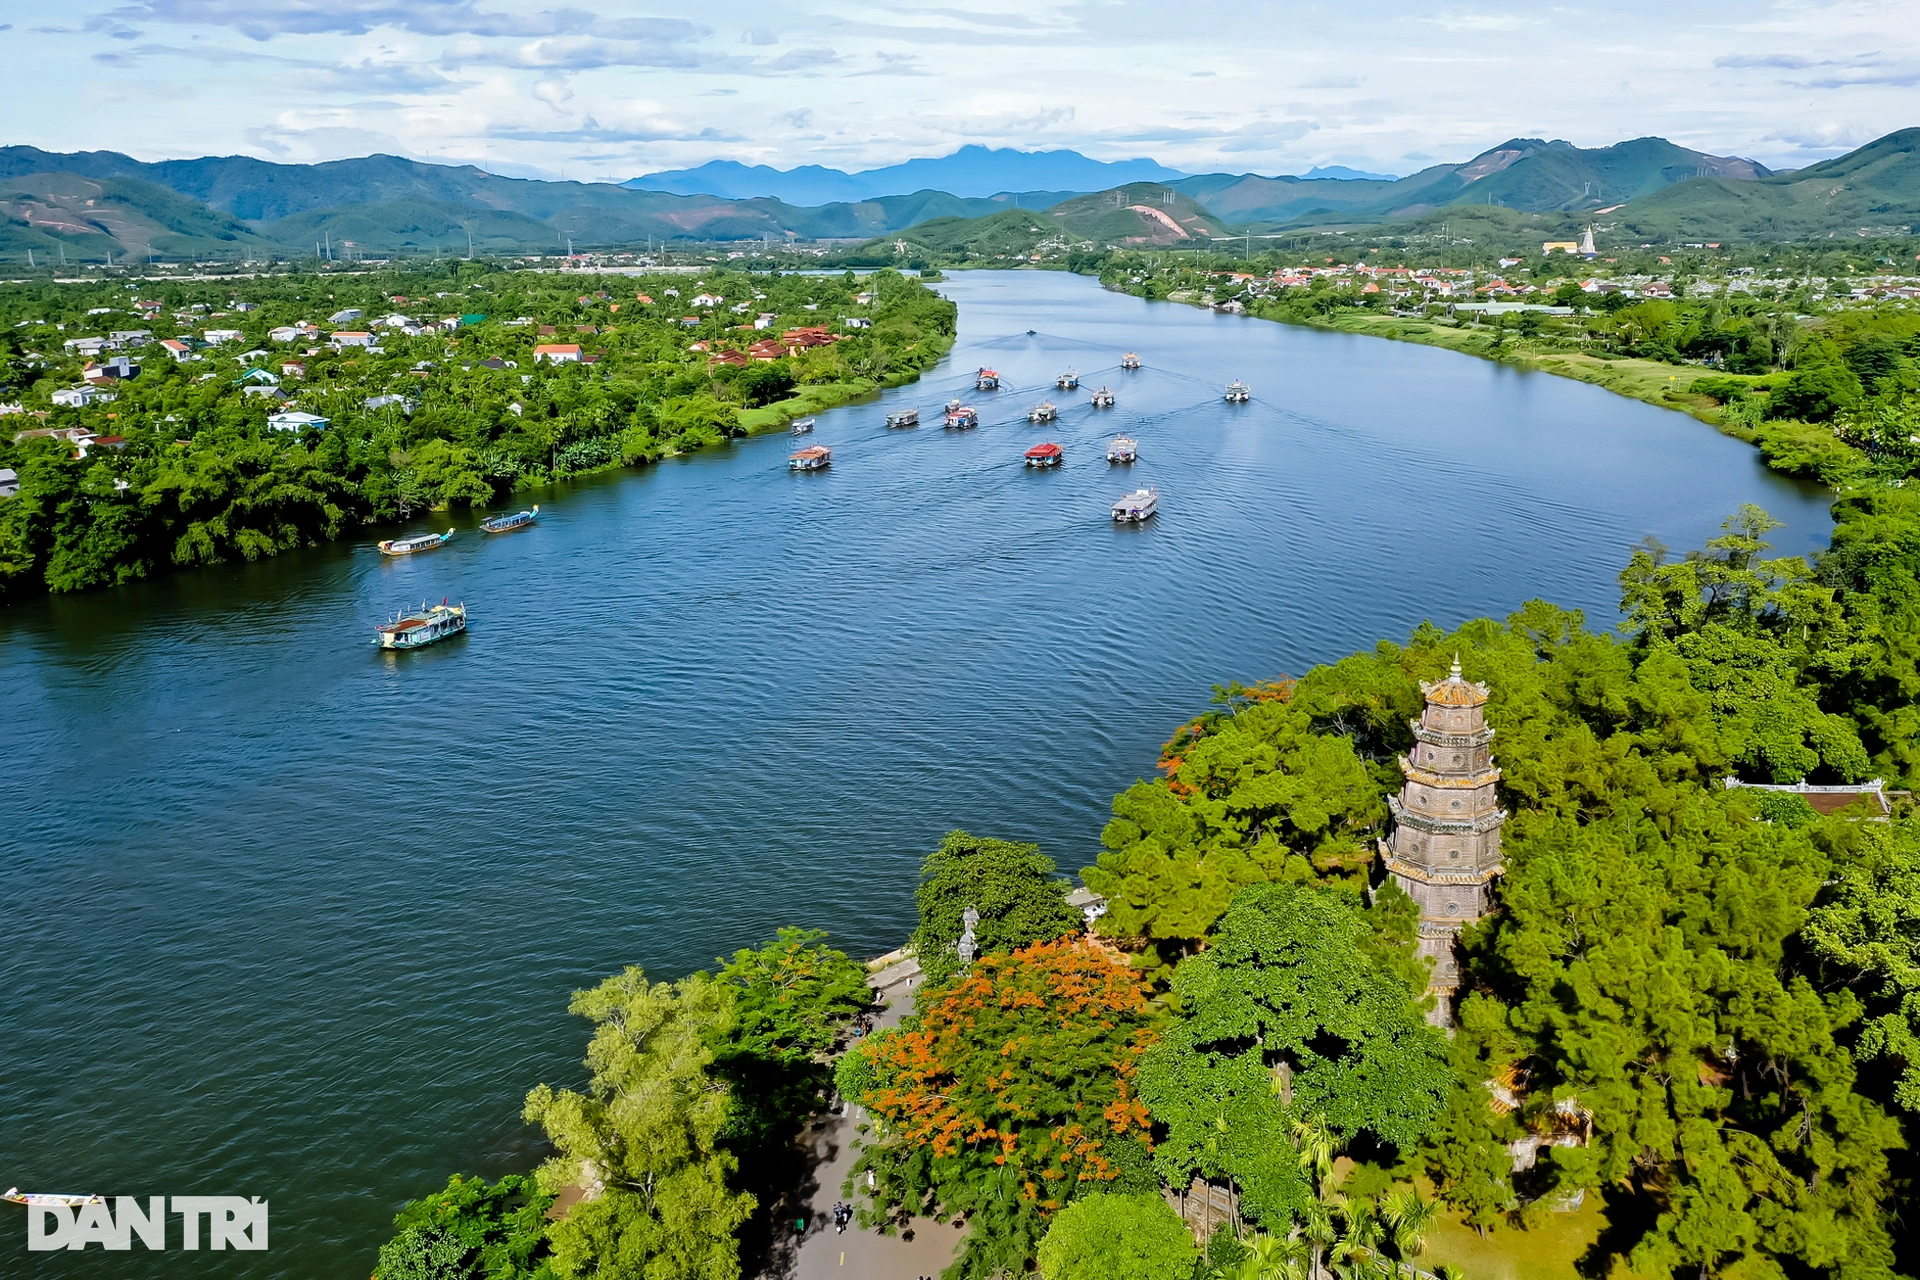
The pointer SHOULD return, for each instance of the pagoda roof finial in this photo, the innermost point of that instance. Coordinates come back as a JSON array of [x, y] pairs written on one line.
[[1455, 673]]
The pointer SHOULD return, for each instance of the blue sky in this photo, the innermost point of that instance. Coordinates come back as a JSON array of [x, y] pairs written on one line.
[[612, 88]]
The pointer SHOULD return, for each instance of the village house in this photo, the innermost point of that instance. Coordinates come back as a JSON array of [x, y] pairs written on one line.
[[345, 316], [214, 337], [180, 350], [86, 346], [345, 338], [402, 403], [557, 353], [293, 369], [87, 442], [117, 369], [129, 337], [9, 482], [294, 420], [81, 397], [857, 322], [706, 300]]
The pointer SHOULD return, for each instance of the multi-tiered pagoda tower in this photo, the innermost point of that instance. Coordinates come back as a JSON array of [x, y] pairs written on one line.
[[1444, 849]]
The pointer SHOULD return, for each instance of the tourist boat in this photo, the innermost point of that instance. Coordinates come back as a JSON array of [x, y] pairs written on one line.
[[986, 380], [32, 1199], [1237, 392], [507, 524], [417, 630], [1067, 381], [811, 459], [418, 542], [1129, 361], [963, 418], [801, 426], [1045, 455], [1136, 506], [1043, 412], [1123, 449], [953, 405], [1103, 399], [904, 418]]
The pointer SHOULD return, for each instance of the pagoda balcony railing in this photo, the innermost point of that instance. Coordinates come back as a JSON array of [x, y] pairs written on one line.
[[1436, 737], [1444, 826]]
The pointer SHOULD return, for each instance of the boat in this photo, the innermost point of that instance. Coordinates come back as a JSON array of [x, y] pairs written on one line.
[[1237, 392], [904, 418], [1123, 449], [1043, 412], [953, 405], [507, 524], [1045, 455], [1103, 399], [1136, 506], [419, 629], [801, 426], [986, 380], [36, 1199], [1067, 381], [1130, 361], [963, 418], [418, 542], [810, 459]]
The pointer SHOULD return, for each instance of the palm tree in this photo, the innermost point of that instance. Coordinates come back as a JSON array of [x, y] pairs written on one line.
[[1270, 1258], [1317, 1149], [1410, 1216], [1356, 1252]]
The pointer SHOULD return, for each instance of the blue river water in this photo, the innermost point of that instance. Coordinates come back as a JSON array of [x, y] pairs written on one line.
[[286, 917]]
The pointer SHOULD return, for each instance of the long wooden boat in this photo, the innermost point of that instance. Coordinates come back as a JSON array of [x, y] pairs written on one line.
[[1103, 399], [1123, 449], [1045, 455], [417, 543], [422, 627], [1067, 381], [811, 459], [963, 418], [904, 418], [507, 524], [801, 426], [1130, 361], [1237, 392], [986, 380], [1043, 412], [15, 1195]]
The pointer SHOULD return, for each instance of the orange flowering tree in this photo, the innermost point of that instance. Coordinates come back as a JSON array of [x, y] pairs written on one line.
[[1007, 1094]]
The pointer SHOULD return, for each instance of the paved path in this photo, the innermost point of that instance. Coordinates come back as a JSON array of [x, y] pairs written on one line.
[[866, 1255]]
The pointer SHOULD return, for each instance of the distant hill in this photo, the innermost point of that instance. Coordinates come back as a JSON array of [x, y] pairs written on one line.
[[972, 171], [1522, 173], [1140, 214], [1340, 173], [1874, 190]]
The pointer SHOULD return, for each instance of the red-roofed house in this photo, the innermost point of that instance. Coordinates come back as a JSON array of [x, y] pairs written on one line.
[[557, 353]]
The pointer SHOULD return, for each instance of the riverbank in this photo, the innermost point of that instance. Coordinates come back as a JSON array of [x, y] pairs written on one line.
[[1649, 381], [817, 398]]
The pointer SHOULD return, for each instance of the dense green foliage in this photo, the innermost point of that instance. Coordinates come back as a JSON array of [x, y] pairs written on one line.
[[1008, 1093], [792, 999], [1296, 1012], [1117, 1237], [471, 1229], [1012, 886], [202, 478]]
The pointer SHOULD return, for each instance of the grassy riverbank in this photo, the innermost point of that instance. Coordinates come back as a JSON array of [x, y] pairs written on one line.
[[817, 398]]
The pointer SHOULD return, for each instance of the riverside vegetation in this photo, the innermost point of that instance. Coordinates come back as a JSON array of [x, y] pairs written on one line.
[[457, 414]]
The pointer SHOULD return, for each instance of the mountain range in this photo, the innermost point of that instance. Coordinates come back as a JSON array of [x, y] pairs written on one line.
[[91, 204], [972, 171]]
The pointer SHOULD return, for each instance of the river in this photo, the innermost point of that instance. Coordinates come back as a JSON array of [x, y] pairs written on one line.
[[286, 917]]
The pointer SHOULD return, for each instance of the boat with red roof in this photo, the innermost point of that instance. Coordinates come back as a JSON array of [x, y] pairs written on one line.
[[1045, 455]]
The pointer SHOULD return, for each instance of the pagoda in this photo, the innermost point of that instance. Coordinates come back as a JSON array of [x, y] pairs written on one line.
[[1444, 848]]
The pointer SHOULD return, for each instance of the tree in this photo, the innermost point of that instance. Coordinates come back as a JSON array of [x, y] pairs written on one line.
[[644, 1137], [1104, 1236], [423, 1253], [495, 1232], [1869, 929], [1290, 1015], [1409, 1216], [1012, 886], [1008, 1093], [1254, 792], [792, 999]]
